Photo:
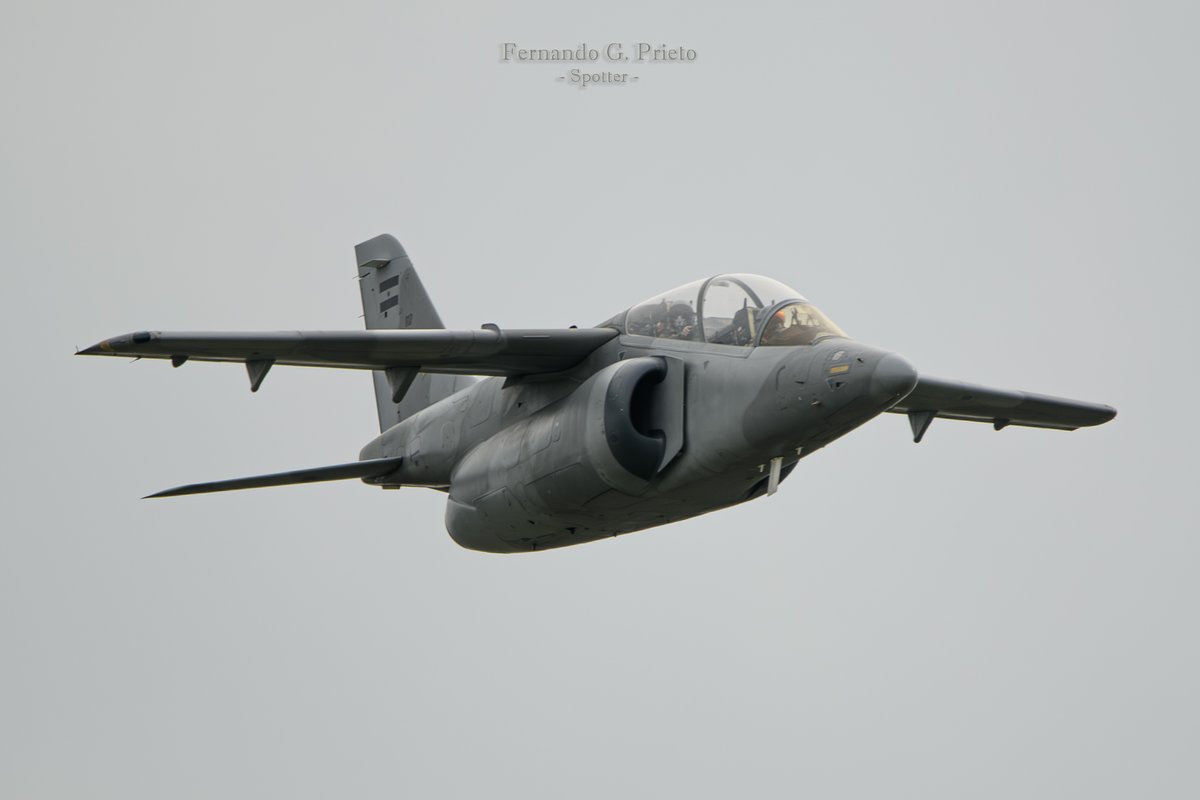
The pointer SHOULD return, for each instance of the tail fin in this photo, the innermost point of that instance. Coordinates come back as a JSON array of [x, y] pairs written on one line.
[[394, 298]]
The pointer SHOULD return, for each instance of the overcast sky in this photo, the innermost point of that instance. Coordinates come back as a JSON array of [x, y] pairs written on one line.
[[1003, 192]]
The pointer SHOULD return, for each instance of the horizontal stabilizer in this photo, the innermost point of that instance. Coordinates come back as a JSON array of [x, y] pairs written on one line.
[[489, 351], [945, 399], [371, 468]]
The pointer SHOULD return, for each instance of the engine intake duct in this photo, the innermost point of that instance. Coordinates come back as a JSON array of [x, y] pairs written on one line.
[[643, 414]]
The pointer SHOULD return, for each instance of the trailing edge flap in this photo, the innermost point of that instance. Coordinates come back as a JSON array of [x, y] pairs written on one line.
[[489, 351], [1001, 407], [371, 468]]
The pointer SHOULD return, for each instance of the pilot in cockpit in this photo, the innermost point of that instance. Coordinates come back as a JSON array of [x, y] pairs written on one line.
[[665, 320], [797, 324], [676, 322]]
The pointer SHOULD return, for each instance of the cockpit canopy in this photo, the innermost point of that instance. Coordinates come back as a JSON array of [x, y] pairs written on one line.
[[735, 309]]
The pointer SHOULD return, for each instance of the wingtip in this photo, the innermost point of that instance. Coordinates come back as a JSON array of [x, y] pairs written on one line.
[[1103, 413], [119, 345]]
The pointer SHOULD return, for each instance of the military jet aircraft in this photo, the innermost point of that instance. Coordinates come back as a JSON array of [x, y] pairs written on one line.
[[699, 398]]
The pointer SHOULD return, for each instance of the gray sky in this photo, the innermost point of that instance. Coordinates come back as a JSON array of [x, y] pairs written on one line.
[[1004, 193]]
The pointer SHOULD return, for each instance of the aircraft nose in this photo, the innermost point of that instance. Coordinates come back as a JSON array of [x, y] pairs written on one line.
[[892, 379]]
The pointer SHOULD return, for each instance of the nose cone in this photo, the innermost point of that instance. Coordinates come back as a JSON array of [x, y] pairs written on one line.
[[892, 379]]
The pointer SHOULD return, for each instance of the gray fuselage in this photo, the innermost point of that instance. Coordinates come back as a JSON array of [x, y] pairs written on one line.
[[539, 463]]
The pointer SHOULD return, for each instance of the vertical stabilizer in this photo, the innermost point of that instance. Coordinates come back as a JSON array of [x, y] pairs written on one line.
[[394, 298]]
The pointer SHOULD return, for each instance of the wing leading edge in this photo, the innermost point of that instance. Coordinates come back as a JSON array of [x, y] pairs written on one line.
[[938, 397], [488, 351]]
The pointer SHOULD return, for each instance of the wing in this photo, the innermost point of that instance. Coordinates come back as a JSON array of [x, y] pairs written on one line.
[[937, 397], [489, 351]]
